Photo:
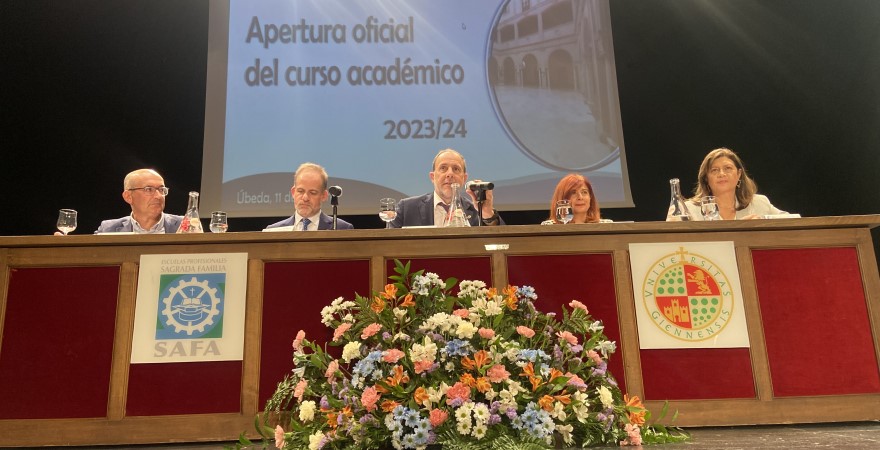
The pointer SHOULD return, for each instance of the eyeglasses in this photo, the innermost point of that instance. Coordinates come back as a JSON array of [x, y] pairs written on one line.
[[725, 170], [149, 190]]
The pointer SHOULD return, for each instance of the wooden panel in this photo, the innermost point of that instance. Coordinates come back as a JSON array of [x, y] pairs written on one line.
[[294, 294], [57, 342], [815, 314]]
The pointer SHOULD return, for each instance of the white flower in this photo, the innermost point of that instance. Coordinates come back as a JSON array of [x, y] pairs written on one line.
[[351, 351], [605, 397], [307, 411], [466, 330], [580, 407], [596, 326], [558, 412], [399, 313], [565, 431], [479, 431], [606, 348], [315, 440], [423, 352]]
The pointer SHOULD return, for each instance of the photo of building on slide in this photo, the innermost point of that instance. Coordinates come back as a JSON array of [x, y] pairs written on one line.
[[551, 69]]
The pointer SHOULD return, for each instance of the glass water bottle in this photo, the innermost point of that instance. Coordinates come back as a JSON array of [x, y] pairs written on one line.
[[677, 209], [191, 222], [455, 216]]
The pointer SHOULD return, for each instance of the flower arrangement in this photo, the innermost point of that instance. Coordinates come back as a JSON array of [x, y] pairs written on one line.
[[482, 369]]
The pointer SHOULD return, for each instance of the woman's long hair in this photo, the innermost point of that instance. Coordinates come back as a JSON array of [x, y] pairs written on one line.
[[745, 189]]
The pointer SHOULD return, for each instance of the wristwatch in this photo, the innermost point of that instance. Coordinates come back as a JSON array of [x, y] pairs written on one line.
[[492, 220]]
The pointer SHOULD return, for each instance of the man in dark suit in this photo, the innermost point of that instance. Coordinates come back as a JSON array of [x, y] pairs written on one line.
[[145, 191], [309, 191], [426, 210]]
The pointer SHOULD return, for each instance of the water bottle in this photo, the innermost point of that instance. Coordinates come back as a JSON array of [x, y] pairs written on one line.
[[191, 222], [677, 209]]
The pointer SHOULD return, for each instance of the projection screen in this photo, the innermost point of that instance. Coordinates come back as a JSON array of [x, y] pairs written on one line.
[[371, 90]]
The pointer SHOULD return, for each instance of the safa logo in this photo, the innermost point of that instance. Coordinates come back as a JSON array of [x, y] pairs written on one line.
[[687, 296], [191, 306]]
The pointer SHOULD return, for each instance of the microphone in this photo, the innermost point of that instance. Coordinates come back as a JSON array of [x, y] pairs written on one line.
[[482, 186], [335, 191]]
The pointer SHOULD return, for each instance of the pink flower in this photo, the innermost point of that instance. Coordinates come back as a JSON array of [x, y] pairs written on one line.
[[498, 373], [341, 330], [594, 356], [392, 355], [300, 389], [525, 331], [298, 342], [423, 365], [279, 436], [459, 391], [633, 435], [574, 380], [437, 417], [369, 398], [486, 333], [370, 330], [331, 370], [463, 313], [568, 337], [574, 304]]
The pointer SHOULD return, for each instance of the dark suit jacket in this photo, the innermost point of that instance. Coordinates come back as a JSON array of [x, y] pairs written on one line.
[[123, 224], [325, 223], [419, 211]]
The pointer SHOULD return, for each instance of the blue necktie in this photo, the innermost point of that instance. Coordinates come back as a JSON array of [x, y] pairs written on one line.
[[306, 223]]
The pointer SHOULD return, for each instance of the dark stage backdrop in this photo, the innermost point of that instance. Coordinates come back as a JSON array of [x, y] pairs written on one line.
[[91, 89]]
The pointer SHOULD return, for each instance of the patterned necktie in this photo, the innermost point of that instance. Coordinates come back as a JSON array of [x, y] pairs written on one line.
[[306, 223]]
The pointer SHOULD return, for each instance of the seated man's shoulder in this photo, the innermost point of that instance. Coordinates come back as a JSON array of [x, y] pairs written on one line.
[[284, 223]]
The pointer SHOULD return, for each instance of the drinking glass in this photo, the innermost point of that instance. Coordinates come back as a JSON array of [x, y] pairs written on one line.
[[218, 222], [563, 211], [387, 210], [66, 221], [709, 208]]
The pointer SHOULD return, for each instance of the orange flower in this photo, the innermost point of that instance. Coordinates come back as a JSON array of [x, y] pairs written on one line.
[[529, 371], [483, 384], [389, 405], [331, 419], [390, 292], [378, 305], [546, 403], [510, 299], [467, 380], [635, 411], [564, 399], [420, 395], [554, 373], [492, 293], [408, 301], [468, 363], [398, 378], [480, 359]]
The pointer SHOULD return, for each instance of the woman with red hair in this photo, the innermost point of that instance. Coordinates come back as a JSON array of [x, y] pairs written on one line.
[[577, 189]]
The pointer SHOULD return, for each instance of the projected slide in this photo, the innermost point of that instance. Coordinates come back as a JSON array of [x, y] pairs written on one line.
[[371, 90]]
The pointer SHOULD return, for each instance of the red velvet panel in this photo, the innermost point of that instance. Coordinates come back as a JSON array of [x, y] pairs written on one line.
[[58, 342], [697, 374], [559, 279], [816, 323], [293, 296], [474, 268], [184, 388]]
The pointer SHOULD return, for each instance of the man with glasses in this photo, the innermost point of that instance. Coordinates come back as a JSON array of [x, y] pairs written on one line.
[[429, 210], [309, 191], [145, 191]]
